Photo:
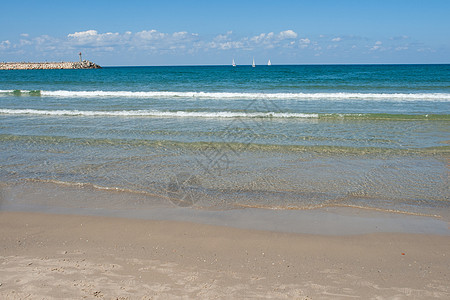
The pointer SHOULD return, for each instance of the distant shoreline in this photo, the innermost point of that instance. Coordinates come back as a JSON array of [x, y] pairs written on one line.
[[90, 65], [85, 64], [273, 65]]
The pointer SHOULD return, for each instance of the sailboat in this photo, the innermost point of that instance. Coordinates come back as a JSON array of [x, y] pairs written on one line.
[[253, 64], [233, 63], [269, 63]]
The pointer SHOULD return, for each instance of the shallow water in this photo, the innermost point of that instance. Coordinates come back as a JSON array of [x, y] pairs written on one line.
[[220, 138]]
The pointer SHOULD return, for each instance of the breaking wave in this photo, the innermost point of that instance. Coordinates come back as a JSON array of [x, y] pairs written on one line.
[[236, 95], [156, 113], [222, 114]]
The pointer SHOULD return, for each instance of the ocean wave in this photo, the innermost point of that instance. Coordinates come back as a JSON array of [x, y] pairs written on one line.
[[237, 95], [156, 113], [224, 114], [201, 146]]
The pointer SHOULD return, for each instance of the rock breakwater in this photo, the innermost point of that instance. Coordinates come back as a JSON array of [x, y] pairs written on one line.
[[85, 64]]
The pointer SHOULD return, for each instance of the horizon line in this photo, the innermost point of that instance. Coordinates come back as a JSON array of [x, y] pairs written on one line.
[[265, 65]]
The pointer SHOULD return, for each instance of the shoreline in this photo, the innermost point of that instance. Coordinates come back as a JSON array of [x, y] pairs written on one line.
[[326, 221], [339, 220], [85, 64], [50, 255]]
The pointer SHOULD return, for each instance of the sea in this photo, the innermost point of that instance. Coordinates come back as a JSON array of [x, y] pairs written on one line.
[[220, 138]]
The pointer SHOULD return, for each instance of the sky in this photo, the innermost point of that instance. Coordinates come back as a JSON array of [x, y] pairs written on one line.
[[197, 32]]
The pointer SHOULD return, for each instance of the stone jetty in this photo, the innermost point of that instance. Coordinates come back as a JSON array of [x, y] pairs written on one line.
[[85, 64]]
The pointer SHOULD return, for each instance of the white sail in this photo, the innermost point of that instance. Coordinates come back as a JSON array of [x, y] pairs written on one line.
[[253, 63], [269, 63], [233, 64]]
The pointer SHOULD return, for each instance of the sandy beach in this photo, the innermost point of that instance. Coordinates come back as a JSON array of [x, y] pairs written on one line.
[[214, 182], [46, 256]]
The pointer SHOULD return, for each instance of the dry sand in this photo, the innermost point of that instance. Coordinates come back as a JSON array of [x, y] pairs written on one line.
[[45, 256]]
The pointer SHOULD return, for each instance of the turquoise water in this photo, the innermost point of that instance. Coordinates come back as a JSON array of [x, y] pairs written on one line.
[[218, 137]]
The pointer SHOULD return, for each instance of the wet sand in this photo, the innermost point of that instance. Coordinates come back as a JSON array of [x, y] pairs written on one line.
[[72, 256]]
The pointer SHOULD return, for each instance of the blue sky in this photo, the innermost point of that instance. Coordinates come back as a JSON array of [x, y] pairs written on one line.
[[215, 32]]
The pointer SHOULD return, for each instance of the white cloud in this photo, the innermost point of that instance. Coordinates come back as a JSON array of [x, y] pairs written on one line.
[[152, 40], [287, 34], [91, 38], [180, 35], [223, 37], [44, 40], [263, 37], [25, 42], [270, 40], [377, 46], [305, 41], [154, 43], [227, 45], [5, 44], [83, 34], [24, 35], [150, 35]]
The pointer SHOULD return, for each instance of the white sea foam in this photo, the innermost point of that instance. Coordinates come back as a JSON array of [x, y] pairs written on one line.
[[271, 96], [249, 95], [156, 113]]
